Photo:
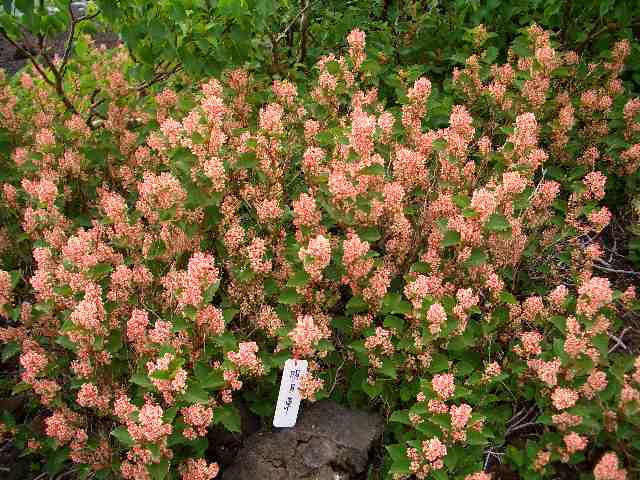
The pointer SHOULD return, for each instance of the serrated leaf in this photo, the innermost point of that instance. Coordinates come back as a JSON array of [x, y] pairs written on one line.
[[10, 350], [388, 369], [400, 416], [229, 416], [356, 304], [439, 363], [391, 321], [247, 160], [300, 278], [66, 343], [196, 394], [20, 387], [141, 379], [289, 296], [123, 436], [228, 314], [401, 466], [497, 223], [373, 169], [506, 297], [158, 471], [395, 304], [397, 451], [369, 234], [451, 238], [371, 390], [99, 271], [439, 145], [477, 258]]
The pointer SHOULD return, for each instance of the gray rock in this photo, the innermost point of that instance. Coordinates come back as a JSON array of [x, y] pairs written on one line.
[[329, 442]]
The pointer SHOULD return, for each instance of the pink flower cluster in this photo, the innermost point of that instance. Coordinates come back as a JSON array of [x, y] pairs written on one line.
[[198, 419], [316, 257], [436, 316], [428, 459], [305, 336], [443, 384], [198, 469], [309, 386], [595, 293], [246, 358], [189, 286], [608, 468], [380, 340]]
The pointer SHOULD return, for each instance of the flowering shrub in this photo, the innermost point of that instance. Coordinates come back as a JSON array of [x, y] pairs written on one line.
[[163, 256]]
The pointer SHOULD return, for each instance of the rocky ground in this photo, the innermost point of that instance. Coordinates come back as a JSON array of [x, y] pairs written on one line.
[[12, 60]]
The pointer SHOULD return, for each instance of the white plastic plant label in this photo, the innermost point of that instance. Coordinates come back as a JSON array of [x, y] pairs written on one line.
[[289, 397]]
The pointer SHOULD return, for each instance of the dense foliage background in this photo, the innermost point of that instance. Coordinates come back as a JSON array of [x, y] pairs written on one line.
[[436, 203]]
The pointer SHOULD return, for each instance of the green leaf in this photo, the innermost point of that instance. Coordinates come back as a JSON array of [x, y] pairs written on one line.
[[476, 438], [605, 6], [56, 461], [391, 321], [289, 296], [498, 223], [271, 286], [66, 343], [395, 304], [10, 350], [342, 323], [229, 416], [477, 258], [400, 416], [440, 474], [20, 387], [506, 297], [439, 145], [141, 379], [401, 466], [451, 238], [397, 451], [123, 436], [439, 363], [246, 275], [208, 378], [332, 67], [196, 394], [157, 248], [356, 304], [247, 160], [300, 278], [371, 390], [99, 271], [228, 314], [388, 369], [158, 471], [373, 169], [369, 234], [210, 292]]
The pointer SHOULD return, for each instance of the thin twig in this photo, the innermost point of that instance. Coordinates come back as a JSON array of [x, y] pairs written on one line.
[[29, 55], [72, 31], [295, 19], [602, 265], [520, 421], [618, 340], [335, 380], [158, 77], [520, 427], [59, 80], [490, 453]]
